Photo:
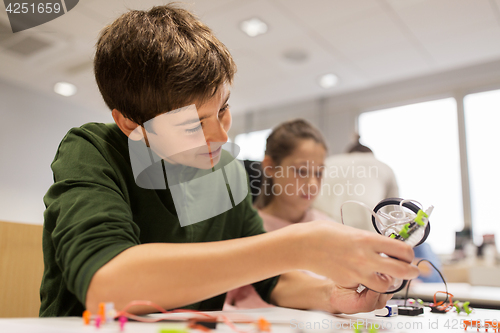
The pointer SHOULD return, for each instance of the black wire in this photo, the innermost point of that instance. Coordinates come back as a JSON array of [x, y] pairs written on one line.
[[437, 270]]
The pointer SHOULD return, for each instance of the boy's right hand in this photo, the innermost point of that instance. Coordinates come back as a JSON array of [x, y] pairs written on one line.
[[351, 256]]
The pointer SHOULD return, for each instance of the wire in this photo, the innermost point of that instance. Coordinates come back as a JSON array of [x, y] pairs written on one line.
[[224, 318], [375, 216], [383, 227], [410, 201], [437, 270]]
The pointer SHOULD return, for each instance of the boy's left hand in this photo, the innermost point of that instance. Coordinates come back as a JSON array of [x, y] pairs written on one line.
[[348, 300]]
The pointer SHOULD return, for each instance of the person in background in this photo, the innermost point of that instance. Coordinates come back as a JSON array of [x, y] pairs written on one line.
[[358, 175], [292, 170]]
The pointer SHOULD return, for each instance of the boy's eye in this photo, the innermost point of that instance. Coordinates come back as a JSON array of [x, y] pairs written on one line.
[[193, 130], [223, 109]]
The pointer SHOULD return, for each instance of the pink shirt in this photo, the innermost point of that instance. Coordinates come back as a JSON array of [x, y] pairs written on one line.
[[272, 222], [246, 297]]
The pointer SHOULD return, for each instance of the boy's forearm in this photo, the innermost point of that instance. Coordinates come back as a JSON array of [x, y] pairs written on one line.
[[175, 275], [299, 290]]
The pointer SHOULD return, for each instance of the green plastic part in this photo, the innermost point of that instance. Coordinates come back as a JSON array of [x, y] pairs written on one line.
[[455, 304], [404, 232], [173, 330], [420, 301], [373, 330], [392, 236], [466, 308], [420, 214]]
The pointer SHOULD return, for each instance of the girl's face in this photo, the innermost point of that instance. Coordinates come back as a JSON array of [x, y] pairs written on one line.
[[297, 179]]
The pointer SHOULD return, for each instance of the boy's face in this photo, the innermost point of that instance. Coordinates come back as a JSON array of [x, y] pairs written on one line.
[[192, 136]]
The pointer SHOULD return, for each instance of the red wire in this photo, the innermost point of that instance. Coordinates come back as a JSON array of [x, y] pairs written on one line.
[[124, 313], [441, 304]]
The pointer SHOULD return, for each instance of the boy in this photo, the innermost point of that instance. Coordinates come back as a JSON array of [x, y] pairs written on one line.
[[108, 239]]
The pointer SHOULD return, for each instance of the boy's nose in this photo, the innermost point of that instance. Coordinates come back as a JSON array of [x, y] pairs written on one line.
[[216, 133]]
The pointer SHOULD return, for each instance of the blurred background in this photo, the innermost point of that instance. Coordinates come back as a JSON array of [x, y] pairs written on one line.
[[418, 79]]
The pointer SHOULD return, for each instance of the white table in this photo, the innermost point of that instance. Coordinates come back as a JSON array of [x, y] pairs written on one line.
[[282, 320], [479, 296]]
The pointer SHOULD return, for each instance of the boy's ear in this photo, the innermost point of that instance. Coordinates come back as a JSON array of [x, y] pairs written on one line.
[[127, 126]]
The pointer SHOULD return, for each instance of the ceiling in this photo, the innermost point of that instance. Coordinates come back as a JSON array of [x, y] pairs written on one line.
[[364, 42]]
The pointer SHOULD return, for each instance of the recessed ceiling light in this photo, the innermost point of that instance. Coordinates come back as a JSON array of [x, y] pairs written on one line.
[[328, 80], [253, 27], [65, 89]]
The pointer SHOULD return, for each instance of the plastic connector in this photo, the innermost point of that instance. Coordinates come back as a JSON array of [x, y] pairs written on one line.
[[404, 231], [466, 308], [173, 329], [387, 311], [123, 320], [459, 307], [429, 211], [263, 325], [86, 317], [421, 218]]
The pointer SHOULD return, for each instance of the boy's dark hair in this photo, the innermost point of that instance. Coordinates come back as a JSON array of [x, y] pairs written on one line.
[[151, 62]]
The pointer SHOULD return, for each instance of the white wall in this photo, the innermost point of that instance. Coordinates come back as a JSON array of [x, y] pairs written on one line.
[[32, 125], [336, 115]]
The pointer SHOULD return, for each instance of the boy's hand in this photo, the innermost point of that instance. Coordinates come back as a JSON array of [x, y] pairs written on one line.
[[351, 256], [348, 300]]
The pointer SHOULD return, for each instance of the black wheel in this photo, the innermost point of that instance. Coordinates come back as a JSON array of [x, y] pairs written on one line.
[[396, 201]]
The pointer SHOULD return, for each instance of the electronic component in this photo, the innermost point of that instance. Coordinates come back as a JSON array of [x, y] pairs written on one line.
[[399, 219], [208, 323], [387, 311], [410, 310], [438, 309]]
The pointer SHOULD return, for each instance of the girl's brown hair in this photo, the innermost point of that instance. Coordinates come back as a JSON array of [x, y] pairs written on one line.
[[281, 143]]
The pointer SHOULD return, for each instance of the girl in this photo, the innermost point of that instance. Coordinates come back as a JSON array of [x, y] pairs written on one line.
[[292, 171]]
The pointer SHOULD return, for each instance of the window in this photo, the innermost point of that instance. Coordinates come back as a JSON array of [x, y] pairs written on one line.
[[482, 124], [420, 143], [252, 145]]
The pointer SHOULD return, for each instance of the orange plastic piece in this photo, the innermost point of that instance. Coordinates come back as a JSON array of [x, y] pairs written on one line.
[[86, 317], [491, 324], [263, 325], [102, 312], [477, 324]]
